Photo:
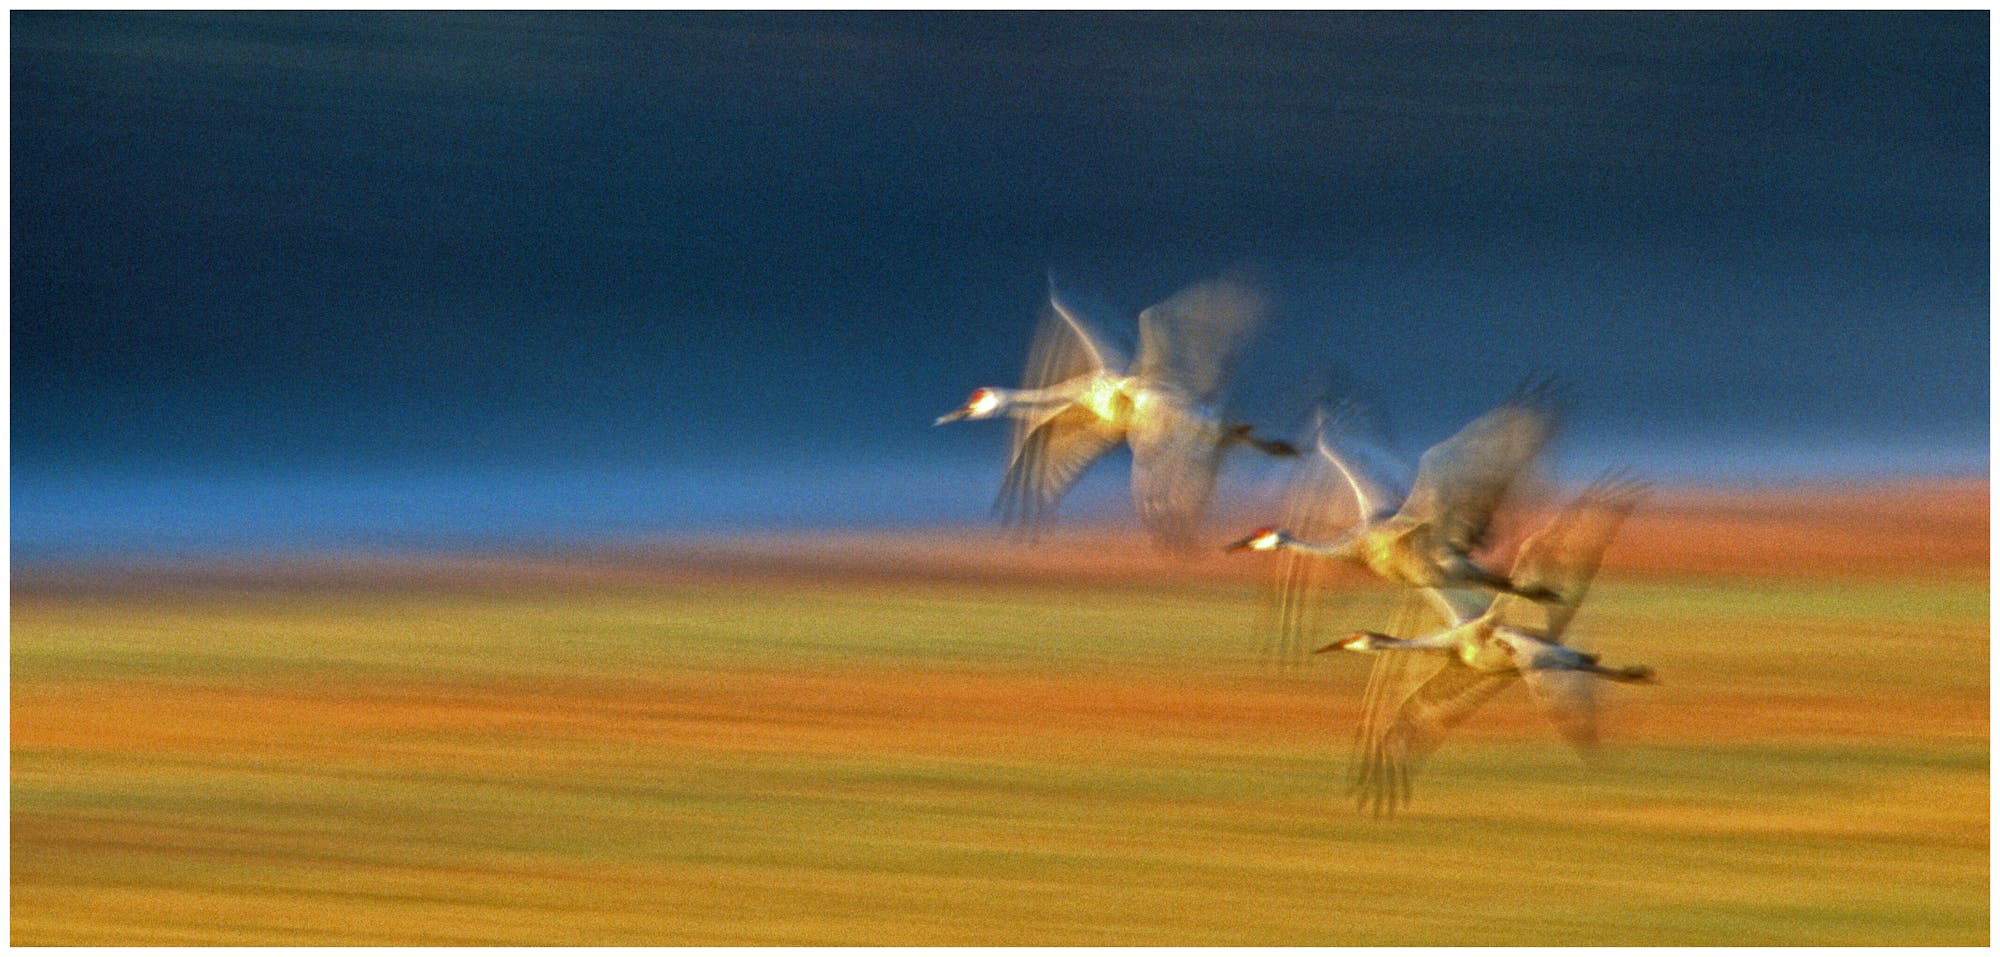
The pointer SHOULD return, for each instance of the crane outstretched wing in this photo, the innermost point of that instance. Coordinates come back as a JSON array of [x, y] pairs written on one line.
[[1373, 491], [1331, 490], [1103, 355], [1047, 461], [1377, 771], [1318, 505], [1563, 556], [1188, 341], [1175, 458], [1064, 349], [1462, 481], [1390, 753], [1569, 700]]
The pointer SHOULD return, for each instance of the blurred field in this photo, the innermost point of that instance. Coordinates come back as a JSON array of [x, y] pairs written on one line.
[[850, 742]]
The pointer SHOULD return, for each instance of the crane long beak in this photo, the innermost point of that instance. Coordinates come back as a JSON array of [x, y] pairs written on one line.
[[1336, 646], [1242, 543], [952, 416]]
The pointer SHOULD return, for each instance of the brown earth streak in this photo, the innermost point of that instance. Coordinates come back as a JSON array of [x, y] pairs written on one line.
[[1936, 530], [856, 711]]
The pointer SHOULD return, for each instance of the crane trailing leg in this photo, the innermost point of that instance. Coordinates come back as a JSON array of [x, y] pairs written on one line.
[[1276, 448]]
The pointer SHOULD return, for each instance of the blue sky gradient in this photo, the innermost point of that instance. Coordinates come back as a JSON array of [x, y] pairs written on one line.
[[464, 279]]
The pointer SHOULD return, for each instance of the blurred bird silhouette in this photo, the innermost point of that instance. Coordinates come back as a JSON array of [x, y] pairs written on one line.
[[1342, 504], [1486, 648], [1079, 398]]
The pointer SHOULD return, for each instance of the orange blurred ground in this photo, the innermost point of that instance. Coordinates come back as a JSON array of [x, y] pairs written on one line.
[[254, 754]]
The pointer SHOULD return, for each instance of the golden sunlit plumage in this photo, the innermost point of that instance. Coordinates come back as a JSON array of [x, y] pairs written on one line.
[[1483, 652], [1421, 538], [1077, 401]]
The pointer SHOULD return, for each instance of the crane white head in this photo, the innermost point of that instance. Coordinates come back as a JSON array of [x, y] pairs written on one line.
[[982, 404], [1261, 540]]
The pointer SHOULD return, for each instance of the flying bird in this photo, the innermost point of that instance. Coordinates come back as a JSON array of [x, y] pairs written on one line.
[[1080, 398], [1343, 505], [1486, 649]]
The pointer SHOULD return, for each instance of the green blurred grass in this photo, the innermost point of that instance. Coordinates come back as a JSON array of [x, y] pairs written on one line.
[[939, 763]]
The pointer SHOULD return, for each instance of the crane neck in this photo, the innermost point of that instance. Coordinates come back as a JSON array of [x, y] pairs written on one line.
[[1059, 393], [1347, 546]]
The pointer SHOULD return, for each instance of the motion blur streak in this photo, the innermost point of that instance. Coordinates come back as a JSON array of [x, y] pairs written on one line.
[[473, 474], [665, 748]]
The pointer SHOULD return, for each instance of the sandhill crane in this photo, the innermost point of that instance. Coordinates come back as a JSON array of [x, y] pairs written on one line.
[[1079, 399], [1485, 649], [1421, 538]]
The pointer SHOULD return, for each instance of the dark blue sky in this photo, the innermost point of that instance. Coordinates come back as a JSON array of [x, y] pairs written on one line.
[[396, 279]]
